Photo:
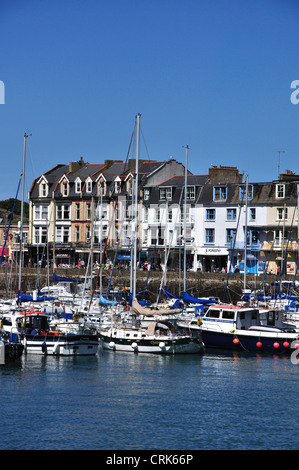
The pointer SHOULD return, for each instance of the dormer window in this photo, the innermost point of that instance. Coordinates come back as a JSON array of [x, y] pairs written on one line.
[[165, 194], [89, 185], [242, 192], [280, 191], [78, 183], [44, 191], [101, 185], [191, 192], [220, 193], [117, 183], [43, 187], [64, 189], [146, 194]]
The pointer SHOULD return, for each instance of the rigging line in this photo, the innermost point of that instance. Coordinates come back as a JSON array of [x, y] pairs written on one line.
[[267, 265], [233, 249], [31, 161], [145, 142], [286, 250], [155, 249], [11, 215], [110, 224]]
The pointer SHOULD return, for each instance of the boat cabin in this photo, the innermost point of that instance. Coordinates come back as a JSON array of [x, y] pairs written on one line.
[[242, 318], [33, 322]]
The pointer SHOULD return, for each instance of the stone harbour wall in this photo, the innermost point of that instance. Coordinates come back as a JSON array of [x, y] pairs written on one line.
[[197, 284]]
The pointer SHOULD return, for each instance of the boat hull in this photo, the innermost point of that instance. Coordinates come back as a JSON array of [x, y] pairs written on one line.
[[249, 341], [61, 345], [160, 346]]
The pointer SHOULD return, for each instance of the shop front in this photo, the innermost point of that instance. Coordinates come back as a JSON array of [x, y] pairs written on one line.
[[212, 259]]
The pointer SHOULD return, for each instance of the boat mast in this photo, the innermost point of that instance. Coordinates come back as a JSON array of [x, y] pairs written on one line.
[[185, 215], [245, 236], [136, 203], [22, 214]]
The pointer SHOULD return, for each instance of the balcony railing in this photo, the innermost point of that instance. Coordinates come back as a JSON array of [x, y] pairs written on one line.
[[240, 246]]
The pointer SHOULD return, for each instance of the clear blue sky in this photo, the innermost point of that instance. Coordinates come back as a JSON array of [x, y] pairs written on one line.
[[211, 74]]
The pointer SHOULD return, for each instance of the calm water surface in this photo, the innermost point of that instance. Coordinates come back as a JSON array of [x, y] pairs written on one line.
[[126, 401]]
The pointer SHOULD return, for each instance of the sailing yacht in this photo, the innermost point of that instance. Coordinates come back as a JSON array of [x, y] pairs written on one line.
[[160, 335]]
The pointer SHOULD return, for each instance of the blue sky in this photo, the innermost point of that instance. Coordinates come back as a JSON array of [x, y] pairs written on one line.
[[211, 74]]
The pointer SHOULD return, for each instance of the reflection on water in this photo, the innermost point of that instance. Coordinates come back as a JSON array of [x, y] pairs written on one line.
[[129, 401]]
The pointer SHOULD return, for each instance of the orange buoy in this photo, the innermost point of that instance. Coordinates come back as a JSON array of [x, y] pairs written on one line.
[[276, 345], [259, 344], [236, 341], [286, 344]]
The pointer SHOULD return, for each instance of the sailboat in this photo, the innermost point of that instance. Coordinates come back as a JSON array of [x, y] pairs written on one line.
[[30, 330], [160, 336]]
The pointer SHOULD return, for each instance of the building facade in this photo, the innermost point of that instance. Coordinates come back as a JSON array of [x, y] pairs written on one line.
[[83, 208]]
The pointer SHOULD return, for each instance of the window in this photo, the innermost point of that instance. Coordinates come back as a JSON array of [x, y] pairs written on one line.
[[88, 186], [187, 214], [280, 191], [157, 215], [210, 214], [228, 314], [213, 313], [77, 211], [252, 213], [77, 234], [63, 212], [161, 237], [64, 189], [40, 235], [281, 237], [62, 234], [231, 214], [254, 236], [242, 192], [88, 211], [43, 190], [153, 236], [102, 187], [145, 214], [282, 213], [210, 235], [146, 194], [190, 192], [165, 194], [88, 232], [230, 235], [40, 212], [170, 215], [117, 184], [78, 186], [220, 193]]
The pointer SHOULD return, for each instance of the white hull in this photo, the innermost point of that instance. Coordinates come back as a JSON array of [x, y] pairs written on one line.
[[61, 347], [136, 340]]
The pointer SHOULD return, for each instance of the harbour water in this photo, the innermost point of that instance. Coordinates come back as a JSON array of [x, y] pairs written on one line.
[[124, 401]]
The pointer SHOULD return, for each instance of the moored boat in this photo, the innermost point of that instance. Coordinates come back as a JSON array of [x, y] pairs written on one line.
[[10, 350], [159, 338], [32, 330], [246, 328]]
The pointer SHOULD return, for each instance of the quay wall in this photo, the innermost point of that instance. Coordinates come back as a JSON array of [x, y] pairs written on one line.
[[197, 284]]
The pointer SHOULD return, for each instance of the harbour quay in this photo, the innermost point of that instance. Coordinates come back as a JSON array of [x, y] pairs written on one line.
[[198, 284]]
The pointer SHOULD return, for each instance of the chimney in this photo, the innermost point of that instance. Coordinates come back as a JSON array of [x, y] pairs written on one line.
[[73, 166]]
